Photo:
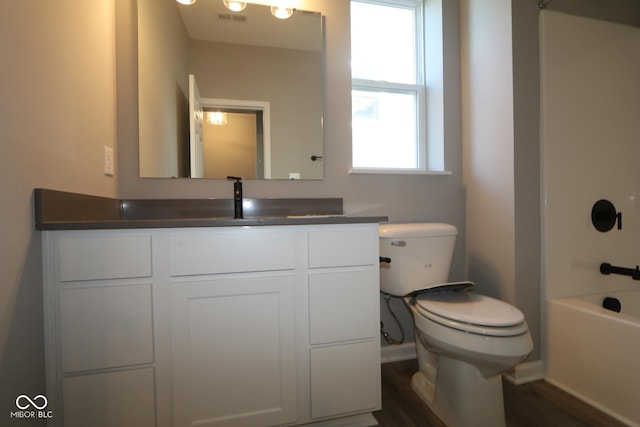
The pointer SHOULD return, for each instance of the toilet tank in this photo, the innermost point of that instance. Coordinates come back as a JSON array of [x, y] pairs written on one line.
[[420, 256]]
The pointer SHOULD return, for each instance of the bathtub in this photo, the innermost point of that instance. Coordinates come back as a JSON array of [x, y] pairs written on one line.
[[594, 353]]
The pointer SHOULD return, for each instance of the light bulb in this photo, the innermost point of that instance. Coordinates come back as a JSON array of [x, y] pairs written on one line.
[[235, 6], [217, 118], [187, 2], [281, 12]]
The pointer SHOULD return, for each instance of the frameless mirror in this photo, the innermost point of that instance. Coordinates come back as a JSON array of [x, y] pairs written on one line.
[[229, 93]]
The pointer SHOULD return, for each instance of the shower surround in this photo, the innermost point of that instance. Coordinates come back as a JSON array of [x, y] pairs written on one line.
[[590, 132]]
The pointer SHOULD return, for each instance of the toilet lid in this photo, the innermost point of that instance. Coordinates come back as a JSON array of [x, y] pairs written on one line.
[[470, 308]]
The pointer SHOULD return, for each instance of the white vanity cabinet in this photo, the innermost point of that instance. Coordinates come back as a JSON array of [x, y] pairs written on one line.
[[98, 312], [217, 326], [343, 336], [232, 336]]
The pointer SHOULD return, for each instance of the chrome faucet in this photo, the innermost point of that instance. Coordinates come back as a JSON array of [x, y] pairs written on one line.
[[237, 196]]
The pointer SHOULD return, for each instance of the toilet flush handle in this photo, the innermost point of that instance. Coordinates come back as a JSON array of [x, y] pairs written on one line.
[[399, 243]]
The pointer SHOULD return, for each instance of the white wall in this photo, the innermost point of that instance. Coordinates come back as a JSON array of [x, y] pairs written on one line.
[[57, 112], [590, 141]]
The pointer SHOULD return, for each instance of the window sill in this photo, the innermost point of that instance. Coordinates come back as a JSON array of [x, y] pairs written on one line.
[[371, 171]]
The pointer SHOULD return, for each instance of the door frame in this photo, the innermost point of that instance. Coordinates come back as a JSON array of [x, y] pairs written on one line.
[[241, 104]]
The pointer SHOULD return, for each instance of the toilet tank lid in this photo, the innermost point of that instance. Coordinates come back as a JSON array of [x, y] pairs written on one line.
[[417, 229]]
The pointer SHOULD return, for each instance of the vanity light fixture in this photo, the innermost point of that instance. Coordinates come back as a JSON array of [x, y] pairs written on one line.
[[235, 6], [281, 12], [216, 118], [187, 2]]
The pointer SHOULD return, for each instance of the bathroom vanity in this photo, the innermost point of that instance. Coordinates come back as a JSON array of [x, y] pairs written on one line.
[[260, 324]]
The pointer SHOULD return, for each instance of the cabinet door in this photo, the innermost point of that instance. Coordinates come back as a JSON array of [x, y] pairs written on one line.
[[345, 378], [233, 350], [106, 326], [343, 305], [112, 399]]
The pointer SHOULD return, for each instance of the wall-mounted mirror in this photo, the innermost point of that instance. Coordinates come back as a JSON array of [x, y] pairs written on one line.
[[262, 74]]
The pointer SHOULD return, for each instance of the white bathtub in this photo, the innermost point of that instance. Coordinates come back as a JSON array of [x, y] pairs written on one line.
[[594, 353]]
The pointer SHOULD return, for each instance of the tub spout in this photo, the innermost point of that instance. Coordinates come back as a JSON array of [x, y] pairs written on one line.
[[634, 273]]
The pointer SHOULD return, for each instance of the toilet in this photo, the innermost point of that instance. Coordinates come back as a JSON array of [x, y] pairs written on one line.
[[464, 340]]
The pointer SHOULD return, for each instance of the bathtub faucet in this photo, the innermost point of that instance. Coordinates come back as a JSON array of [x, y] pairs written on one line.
[[606, 268]]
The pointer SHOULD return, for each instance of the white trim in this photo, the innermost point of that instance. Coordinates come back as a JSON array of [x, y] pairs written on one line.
[[52, 350], [373, 171], [242, 104], [526, 372], [196, 151], [591, 402], [523, 373], [395, 353], [360, 420], [432, 141], [434, 82]]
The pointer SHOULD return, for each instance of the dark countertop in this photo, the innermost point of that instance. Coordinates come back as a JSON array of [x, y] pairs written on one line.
[[56, 210], [204, 222]]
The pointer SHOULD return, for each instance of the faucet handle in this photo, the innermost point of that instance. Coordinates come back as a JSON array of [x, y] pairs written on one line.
[[234, 178]]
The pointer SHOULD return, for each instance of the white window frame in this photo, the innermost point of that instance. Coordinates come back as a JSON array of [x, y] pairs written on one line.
[[430, 141]]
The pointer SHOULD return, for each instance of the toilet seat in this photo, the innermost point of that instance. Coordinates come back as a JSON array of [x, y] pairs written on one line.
[[473, 313]]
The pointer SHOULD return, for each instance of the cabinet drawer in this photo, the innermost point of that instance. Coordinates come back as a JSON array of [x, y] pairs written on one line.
[[105, 327], [337, 248], [114, 399], [343, 306], [345, 378], [104, 257], [194, 254]]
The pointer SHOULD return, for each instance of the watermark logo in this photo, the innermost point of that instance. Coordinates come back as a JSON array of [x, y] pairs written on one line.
[[31, 407], [25, 402]]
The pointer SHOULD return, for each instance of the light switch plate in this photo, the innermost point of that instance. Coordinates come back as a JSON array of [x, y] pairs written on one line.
[[109, 165]]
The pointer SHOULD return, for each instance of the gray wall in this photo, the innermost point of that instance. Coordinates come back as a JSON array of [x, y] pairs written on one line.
[[57, 112], [625, 12], [163, 90], [289, 79], [501, 143], [401, 198]]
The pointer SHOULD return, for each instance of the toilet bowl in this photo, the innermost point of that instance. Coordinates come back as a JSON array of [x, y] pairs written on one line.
[[487, 332], [464, 340], [460, 364]]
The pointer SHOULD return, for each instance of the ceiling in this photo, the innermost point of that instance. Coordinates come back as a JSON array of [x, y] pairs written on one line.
[[209, 20]]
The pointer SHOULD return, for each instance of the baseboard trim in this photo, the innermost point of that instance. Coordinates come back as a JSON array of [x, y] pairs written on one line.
[[523, 373], [360, 420], [395, 353], [526, 372], [591, 402]]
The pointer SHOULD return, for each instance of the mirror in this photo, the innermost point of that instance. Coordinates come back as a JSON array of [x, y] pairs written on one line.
[[248, 67]]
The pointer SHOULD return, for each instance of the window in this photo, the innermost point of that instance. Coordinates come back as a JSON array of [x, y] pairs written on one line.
[[388, 86]]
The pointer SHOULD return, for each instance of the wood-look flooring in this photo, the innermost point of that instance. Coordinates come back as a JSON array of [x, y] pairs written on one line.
[[536, 404]]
